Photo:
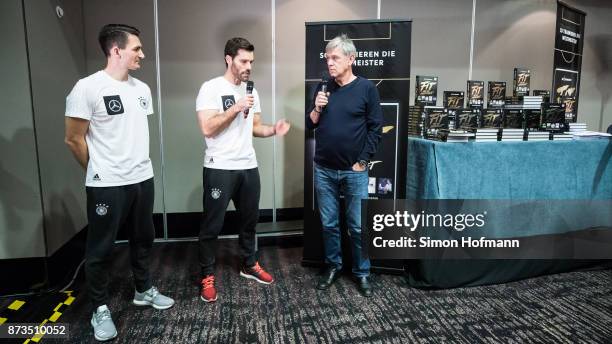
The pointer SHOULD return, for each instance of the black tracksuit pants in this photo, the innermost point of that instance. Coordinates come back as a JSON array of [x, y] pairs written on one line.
[[108, 210], [221, 186]]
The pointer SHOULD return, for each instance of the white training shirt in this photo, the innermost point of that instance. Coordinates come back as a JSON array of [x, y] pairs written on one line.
[[232, 148], [118, 135]]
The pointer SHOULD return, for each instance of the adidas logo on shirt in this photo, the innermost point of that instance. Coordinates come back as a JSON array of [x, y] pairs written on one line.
[[96, 177]]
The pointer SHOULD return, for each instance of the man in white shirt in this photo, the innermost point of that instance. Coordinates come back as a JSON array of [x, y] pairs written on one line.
[[108, 134], [229, 116]]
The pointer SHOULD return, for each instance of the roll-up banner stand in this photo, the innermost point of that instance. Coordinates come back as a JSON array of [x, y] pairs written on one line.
[[569, 39], [383, 57]]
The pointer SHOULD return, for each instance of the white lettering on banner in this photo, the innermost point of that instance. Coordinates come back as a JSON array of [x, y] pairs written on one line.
[[368, 62], [368, 57], [569, 39], [569, 33], [368, 54]]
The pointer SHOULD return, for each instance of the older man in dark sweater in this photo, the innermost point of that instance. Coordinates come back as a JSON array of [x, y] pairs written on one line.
[[347, 120]]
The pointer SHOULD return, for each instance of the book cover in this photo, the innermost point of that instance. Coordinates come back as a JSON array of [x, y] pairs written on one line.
[[436, 120], [468, 119], [533, 120], [475, 93], [426, 92], [514, 119], [492, 118], [553, 117], [522, 78], [497, 94], [453, 99]]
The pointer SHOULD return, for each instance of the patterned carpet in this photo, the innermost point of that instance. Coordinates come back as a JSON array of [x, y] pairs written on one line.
[[566, 308]]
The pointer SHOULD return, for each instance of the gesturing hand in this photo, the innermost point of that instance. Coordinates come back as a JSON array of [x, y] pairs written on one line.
[[281, 127]]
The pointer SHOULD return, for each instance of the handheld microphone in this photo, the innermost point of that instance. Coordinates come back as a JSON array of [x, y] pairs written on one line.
[[249, 90], [324, 81]]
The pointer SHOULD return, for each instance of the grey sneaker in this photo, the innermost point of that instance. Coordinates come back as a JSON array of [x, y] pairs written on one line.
[[104, 328], [152, 297]]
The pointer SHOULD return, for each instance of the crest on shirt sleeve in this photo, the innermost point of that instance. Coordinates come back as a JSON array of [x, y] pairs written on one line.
[[228, 101], [144, 102]]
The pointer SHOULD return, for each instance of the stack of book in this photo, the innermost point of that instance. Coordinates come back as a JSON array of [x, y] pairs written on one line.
[[577, 127], [487, 134], [514, 103], [458, 136], [538, 136], [562, 137], [589, 135], [532, 102], [509, 134], [415, 121]]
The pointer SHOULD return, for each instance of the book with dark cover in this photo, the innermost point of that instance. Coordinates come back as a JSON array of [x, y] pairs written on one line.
[[453, 99], [497, 94], [553, 117], [514, 119], [533, 120], [475, 93], [426, 92], [522, 78], [453, 117], [468, 119], [436, 120], [544, 93], [492, 118]]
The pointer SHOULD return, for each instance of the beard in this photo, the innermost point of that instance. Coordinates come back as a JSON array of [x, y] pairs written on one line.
[[244, 76], [241, 75]]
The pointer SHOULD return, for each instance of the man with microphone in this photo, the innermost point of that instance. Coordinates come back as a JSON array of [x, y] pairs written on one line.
[[347, 117], [229, 115]]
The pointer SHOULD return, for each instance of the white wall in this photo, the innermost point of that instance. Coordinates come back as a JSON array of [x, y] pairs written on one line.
[[21, 229], [192, 34]]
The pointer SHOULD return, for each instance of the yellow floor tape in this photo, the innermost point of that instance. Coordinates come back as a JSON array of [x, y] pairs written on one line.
[[16, 305], [53, 318]]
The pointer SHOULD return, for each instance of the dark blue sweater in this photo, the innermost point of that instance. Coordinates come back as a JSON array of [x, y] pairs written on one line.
[[349, 127]]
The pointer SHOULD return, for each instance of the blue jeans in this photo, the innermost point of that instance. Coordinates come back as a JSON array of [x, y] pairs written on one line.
[[354, 186]]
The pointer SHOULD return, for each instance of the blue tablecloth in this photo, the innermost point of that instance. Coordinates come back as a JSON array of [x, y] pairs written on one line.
[[503, 170]]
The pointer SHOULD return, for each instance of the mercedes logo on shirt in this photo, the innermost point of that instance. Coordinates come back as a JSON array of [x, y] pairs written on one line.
[[113, 105], [228, 101]]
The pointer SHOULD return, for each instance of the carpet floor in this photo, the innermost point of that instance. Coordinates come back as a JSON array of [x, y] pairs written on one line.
[[572, 307]]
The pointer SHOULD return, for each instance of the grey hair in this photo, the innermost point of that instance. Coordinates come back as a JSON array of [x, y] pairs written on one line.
[[344, 43]]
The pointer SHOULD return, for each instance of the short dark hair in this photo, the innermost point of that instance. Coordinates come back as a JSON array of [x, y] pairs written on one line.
[[234, 44], [111, 34]]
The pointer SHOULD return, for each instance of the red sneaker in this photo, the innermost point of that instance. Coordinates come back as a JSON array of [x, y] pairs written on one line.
[[257, 273], [208, 293]]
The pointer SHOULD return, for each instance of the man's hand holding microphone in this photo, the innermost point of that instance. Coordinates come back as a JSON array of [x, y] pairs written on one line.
[[245, 103], [321, 99]]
